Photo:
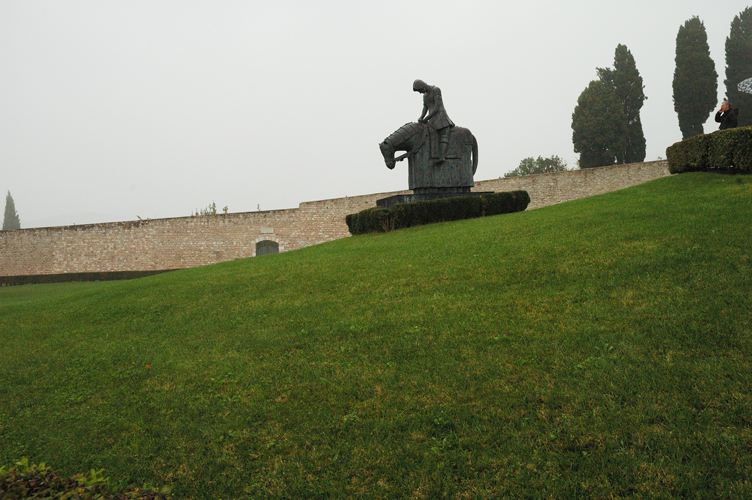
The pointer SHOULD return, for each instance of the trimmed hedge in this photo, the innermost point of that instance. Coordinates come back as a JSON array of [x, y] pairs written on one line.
[[402, 215], [727, 150], [34, 279]]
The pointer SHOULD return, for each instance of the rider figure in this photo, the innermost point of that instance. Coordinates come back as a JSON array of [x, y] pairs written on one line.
[[437, 117]]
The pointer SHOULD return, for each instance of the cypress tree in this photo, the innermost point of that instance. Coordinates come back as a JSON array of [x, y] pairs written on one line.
[[695, 79], [739, 64], [11, 219], [599, 126], [627, 84]]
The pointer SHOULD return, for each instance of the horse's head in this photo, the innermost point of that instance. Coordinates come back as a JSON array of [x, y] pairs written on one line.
[[388, 152]]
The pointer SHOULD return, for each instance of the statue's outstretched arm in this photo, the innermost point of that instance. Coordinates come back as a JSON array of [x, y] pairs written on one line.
[[439, 105]]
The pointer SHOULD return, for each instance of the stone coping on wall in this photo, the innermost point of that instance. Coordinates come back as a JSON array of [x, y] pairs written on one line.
[[128, 224], [145, 222]]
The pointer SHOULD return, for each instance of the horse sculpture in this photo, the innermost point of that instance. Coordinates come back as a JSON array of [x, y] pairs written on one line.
[[425, 173]]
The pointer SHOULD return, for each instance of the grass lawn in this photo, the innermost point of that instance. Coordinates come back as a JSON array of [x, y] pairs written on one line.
[[594, 349]]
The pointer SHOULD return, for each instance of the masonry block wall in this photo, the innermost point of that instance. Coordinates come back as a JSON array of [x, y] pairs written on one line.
[[157, 244], [558, 187]]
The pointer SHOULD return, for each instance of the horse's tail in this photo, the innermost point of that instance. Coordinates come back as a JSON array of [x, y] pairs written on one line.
[[475, 153]]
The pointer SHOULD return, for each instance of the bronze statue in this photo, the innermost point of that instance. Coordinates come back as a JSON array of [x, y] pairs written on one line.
[[437, 117], [442, 158]]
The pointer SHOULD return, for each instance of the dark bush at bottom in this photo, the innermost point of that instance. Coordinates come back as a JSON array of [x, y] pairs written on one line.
[[403, 215]]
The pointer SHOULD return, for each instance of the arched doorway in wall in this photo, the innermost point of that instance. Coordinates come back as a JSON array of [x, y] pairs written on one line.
[[266, 247]]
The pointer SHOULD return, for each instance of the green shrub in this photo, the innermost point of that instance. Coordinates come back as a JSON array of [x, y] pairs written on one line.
[[364, 221], [419, 213], [429, 212], [731, 150], [727, 150], [39, 481], [689, 155], [505, 203]]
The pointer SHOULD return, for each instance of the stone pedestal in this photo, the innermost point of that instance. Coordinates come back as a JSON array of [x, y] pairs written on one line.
[[427, 194]]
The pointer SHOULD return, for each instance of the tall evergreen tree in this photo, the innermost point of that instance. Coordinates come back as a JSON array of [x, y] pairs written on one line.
[[695, 79], [599, 126], [627, 84], [739, 64], [11, 219]]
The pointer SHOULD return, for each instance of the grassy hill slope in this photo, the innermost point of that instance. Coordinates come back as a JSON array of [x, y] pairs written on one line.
[[597, 349]]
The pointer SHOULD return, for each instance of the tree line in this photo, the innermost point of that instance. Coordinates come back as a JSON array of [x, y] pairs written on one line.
[[606, 121], [696, 81]]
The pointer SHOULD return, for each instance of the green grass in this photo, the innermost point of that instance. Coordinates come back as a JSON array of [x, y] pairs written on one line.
[[593, 349], [16, 295]]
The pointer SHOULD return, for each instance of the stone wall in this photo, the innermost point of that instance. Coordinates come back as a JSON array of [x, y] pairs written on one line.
[[157, 244], [558, 187]]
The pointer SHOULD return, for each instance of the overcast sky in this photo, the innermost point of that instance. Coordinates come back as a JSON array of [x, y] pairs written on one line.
[[111, 110]]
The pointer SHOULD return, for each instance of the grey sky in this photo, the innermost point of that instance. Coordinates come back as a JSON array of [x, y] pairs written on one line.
[[109, 110]]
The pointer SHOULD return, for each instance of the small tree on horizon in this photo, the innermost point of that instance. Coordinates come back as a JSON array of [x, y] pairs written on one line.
[[11, 219], [739, 64], [599, 126], [539, 165], [695, 79]]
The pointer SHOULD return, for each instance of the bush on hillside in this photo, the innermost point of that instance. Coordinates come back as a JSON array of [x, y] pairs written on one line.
[[430, 212], [38, 481], [731, 150], [688, 155], [727, 150], [372, 217], [505, 203], [419, 213]]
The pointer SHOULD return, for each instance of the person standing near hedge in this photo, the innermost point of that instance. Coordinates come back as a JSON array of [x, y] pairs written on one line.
[[726, 116]]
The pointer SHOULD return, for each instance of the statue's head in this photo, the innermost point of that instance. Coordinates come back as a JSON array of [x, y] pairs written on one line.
[[388, 154], [420, 86]]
